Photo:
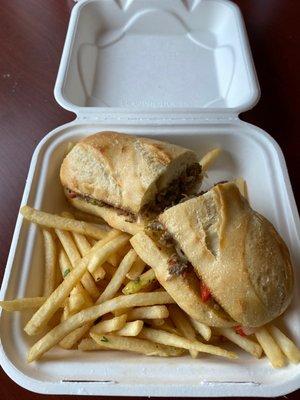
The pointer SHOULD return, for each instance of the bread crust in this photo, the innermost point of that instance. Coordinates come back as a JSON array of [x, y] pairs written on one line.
[[122, 170], [185, 289], [236, 251]]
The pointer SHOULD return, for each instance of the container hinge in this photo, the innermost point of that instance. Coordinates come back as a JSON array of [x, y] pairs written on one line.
[[179, 118]]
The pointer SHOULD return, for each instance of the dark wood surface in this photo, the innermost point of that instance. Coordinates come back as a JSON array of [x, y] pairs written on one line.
[[32, 34]]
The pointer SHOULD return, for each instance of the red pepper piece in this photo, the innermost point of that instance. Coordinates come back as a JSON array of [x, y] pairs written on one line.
[[204, 292]]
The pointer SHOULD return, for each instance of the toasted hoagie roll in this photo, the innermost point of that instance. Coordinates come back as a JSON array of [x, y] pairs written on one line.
[[236, 253], [126, 179]]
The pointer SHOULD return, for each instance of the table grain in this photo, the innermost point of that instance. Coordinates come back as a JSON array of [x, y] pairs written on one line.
[[32, 34]]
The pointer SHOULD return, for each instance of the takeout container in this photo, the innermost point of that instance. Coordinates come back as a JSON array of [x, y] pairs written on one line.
[[180, 71]]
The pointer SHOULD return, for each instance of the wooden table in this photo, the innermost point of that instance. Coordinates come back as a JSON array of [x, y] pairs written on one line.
[[32, 34]]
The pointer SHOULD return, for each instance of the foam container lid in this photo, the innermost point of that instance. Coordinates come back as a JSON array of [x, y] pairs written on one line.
[[175, 70]]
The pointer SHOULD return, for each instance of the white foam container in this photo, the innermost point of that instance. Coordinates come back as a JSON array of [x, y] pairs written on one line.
[[180, 71]]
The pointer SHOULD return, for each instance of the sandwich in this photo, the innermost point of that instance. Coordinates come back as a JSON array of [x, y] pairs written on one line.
[[127, 180], [214, 253]]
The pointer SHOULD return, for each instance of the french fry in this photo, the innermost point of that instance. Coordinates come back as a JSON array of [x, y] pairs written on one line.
[[288, 347], [242, 186], [109, 269], [79, 300], [182, 323], [117, 280], [58, 222], [209, 159], [202, 329], [108, 248], [115, 258], [72, 338], [109, 325], [50, 262], [121, 311], [166, 338], [99, 273], [84, 247], [25, 303], [243, 342], [136, 270], [64, 263], [133, 344], [74, 255], [69, 147], [76, 301], [152, 312], [58, 297], [140, 283], [169, 328], [90, 314], [157, 322], [89, 344], [270, 347], [131, 328], [82, 216]]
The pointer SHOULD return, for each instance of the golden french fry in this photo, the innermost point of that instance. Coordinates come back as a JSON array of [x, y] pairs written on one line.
[[64, 263], [58, 297], [243, 342], [242, 186], [99, 274], [109, 325], [69, 341], [74, 255], [84, 247], [58, 222], [209, 159], [108, 248], [131, 328], [166, 338], [121, 311], [79, 300], [170, 328], [202, 329], [88, 315], [25, 303], [69, 147], [288, 347], [136, 270], [140, 283], [50, 262], [117, 280], [152, 312], [82, 216], [89, 344], [115, 258], [109, 269], [182, 323], [157, 322], [270, 347], [133, 344]]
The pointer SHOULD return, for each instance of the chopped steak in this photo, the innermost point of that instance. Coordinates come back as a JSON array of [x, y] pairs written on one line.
[[177, 189], [177, 265]]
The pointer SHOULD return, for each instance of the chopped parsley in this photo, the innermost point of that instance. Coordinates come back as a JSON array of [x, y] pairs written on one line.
[[104, 339], [66, 272]]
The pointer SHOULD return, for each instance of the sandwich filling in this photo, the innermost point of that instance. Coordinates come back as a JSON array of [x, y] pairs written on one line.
[[178, 262], [177, 191]]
